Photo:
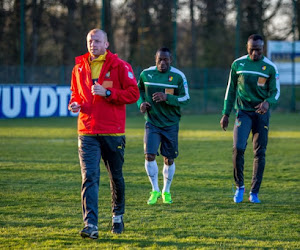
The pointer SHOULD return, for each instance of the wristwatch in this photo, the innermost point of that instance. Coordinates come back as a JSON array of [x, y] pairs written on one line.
[[108, 93]]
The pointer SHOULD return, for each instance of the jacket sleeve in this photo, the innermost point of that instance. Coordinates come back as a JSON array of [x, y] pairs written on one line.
[[129, 93], [75, 97], [183, 96], [141, 87], [274, 88], [230, 94]]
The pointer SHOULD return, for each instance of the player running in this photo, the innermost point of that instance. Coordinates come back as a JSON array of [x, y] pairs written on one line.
[[253, 86], [163, 90]]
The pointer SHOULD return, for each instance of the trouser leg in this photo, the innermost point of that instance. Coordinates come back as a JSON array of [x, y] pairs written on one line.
[[89, 156], [260, 141], [241, 132], [113, 156]]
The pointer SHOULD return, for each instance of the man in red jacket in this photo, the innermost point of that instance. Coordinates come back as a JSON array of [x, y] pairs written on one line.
[[101, 85]]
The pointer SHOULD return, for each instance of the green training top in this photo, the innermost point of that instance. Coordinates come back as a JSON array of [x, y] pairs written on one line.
[[250, 83], [174, 84]]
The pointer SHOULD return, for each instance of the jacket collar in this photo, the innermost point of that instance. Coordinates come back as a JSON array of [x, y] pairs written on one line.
[[110, 58]]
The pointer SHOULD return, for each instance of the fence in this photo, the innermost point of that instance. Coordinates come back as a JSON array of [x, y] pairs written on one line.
[[207, 86]]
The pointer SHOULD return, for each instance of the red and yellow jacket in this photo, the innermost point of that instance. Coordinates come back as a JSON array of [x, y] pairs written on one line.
[[103, 115]]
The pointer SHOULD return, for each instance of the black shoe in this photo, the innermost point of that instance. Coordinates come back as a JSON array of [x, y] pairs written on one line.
[[118, 225], [89, 231]]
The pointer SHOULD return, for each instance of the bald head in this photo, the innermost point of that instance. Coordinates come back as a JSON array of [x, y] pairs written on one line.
[[97, 43], [95, 31]]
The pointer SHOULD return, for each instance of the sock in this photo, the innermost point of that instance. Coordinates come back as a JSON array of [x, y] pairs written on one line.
[[168, 173], [92, 226], [117, 218], [152, 172]]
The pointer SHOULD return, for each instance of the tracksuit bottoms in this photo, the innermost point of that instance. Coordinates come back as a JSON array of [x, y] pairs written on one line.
[[245, 122], [90, 150]]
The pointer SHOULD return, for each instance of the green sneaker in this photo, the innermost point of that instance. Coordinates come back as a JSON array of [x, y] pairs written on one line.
[[154, 195], [167, 198]]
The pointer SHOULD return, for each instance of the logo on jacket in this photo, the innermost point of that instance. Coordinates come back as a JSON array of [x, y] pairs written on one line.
[[107, 75], [80, 69], [150, 76], [264, 67], [130, 75], [242, 64], [170, 78]]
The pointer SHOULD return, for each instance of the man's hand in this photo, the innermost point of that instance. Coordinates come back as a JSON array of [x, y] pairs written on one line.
[[262, 108], [74, 107], [97, 89], [224, 122], [159, 97], [144, 107]]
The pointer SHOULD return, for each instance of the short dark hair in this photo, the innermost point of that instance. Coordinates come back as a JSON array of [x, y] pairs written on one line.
[[164, 49], [255, 37]]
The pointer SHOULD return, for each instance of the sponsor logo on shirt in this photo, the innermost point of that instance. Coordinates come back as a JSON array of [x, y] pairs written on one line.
[[261, 81], [170, 78], [264, 67], [169, 91], [107, 75]]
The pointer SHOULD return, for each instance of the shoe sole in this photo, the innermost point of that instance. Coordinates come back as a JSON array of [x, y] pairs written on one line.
[[255, 202], [235, 201], [116, 232], [154, 202], [85, 235], [151, 203], [112, 231]]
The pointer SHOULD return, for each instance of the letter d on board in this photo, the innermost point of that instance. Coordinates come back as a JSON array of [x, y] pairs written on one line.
[[48, 101]]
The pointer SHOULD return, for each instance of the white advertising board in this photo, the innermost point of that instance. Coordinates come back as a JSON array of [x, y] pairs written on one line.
[[280, 52]]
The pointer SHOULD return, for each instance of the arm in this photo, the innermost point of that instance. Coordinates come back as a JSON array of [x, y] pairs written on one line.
[[75, 100], [230, 94], [274, 93], [229, 98], [142, 105], [141, 87], [129, 93], [274, 88]]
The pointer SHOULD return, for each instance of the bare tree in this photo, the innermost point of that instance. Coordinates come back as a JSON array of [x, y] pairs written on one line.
[[36, 22], [108, 22], [298, 17], [193, 51]]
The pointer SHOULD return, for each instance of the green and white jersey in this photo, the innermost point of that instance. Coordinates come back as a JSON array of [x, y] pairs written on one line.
[[250, 83], [174, 84]]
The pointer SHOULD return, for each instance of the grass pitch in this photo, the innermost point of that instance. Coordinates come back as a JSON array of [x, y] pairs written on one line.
[[40, 189]]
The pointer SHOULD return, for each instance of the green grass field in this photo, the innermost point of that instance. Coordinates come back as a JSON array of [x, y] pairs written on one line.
[[40, 189]]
